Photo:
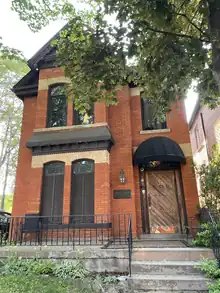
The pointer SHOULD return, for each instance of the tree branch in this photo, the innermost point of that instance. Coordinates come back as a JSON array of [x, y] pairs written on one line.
[[176, 34]]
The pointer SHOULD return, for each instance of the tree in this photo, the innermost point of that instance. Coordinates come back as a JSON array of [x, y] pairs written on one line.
[[209, 176], [10, 121], [160, 45]]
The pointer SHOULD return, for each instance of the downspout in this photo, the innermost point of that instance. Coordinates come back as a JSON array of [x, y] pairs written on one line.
[[204, 133]]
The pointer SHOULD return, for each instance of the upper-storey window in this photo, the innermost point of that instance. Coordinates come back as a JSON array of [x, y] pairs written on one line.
[[57, 107], [84, 118], [149, 117]]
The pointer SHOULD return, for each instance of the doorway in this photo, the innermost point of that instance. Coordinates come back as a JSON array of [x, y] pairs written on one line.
[[163, 208]]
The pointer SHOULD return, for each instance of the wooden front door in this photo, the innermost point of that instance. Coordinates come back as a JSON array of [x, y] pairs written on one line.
[[164, 215]]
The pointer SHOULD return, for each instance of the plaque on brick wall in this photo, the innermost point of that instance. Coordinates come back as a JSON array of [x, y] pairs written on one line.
[[119, 194]]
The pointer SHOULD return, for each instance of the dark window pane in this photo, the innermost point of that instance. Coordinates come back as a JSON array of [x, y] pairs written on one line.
[[83, 167], [57, 91], [57, 107], [149, 116], [85, 118], [52, 192]]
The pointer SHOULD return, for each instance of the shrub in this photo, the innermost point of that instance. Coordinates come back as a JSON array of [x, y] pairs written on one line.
[[21, 266], [214, 288], [70, 270], [204, 238], [210, 268]]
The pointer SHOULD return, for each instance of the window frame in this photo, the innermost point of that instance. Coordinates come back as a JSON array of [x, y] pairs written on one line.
[[50, 216], [49, 104], [143, 118], [76, 116]]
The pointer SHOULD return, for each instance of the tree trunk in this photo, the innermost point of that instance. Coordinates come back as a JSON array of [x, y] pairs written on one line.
[[5, 182], [214, 28]]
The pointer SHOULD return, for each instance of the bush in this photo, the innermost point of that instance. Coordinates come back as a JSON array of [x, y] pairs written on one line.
[[210, 268], [204, 238], [70, 270], [214, 288], [21, 266]]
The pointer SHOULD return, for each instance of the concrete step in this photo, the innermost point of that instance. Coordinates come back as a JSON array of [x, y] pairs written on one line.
[[163, 237], [150, 244], [170, 283], [171, 254], [166, 267]]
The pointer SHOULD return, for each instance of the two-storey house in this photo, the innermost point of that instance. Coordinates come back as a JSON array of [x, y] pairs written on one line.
[[112, 160]]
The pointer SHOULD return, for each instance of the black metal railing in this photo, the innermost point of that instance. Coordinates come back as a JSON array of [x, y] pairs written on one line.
[[33, 229], [214, 218], [130, 244]]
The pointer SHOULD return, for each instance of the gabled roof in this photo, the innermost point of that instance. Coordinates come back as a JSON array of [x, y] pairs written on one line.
[[44, 58]]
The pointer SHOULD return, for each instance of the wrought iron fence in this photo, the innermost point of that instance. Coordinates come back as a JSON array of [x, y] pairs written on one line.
[[214, 219], [33, 229], [130, 244]]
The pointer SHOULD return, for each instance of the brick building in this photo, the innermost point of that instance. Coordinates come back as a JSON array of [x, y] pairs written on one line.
[[111, 160], [204, 128]]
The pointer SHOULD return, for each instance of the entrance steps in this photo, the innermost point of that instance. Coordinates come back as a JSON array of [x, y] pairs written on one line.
[[168, 269]]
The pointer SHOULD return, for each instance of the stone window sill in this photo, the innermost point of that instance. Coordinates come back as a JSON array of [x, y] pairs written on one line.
[[50, 129], [155, 131]]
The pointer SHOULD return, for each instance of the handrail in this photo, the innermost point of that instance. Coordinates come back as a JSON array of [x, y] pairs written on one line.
[[130, 244], [215, 238]]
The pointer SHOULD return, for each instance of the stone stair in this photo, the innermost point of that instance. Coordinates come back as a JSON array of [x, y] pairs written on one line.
[[168, 267]]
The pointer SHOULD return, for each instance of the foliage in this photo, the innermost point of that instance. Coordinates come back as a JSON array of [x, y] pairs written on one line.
[[8, 203], [214, 288], [19, 275], [210, 268], [23, 267], [35, 284], [210, 182], [204, 237], [10, 121], [161, 46], [70, 270]]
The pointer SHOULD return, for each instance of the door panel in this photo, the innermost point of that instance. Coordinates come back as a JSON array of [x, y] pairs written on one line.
[[162, 202]]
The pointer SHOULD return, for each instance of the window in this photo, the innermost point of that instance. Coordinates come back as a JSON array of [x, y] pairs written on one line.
[[52, 192], [57, 107], [84, 118], [197, 136], [149, 120], [82, 191]]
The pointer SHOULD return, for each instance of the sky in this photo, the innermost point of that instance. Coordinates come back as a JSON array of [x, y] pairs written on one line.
[[15, 33]]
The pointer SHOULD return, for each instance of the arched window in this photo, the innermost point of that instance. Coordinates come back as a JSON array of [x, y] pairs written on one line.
[[57, 106], [82, 188], [52, 191]]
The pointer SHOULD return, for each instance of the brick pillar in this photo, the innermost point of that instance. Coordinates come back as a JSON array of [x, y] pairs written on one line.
[[100, 112], [190, 188], [102, 192], [34, 194], [69, 112], [41, 109], [67, 193]]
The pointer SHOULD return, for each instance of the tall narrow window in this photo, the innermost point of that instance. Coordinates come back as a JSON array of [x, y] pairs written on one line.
[[83, 118], [149, 117], [52, 192], [57, 107], [82, 191]]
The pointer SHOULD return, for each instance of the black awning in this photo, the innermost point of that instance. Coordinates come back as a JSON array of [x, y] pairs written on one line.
[[161, 149]]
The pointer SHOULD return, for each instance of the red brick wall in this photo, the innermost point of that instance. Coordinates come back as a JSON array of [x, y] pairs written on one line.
[[119, 119], [24, 176]]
